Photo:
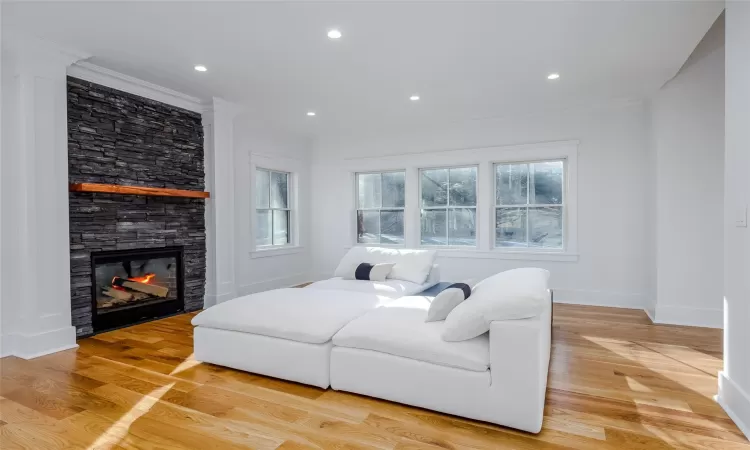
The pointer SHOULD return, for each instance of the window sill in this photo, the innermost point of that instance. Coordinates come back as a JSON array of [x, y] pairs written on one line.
[[474, 253], [513, 255], [276, 251]]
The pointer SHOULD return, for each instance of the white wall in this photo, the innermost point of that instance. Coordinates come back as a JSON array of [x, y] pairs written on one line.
[[734, 381], [36, 318], [256, 145], [612, 181], [688, 139], [2, 303]]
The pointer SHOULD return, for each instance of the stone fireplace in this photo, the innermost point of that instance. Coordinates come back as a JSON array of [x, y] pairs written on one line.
[[133, 257]]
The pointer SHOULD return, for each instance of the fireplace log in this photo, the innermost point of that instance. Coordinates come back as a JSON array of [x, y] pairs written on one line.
[[159, 291], [119, 295]]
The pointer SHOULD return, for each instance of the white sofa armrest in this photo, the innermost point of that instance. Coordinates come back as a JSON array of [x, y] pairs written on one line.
[[519, 363]]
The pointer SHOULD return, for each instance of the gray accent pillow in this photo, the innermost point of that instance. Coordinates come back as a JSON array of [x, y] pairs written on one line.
[[446, 300], [370, 272]]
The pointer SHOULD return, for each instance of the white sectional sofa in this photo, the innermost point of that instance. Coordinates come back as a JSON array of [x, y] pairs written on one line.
[[371, 338]]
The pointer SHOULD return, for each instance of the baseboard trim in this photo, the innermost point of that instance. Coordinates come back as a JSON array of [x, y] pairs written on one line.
[[30, 346], [651, 313], [47, 351], [6, 345], [735, 402], [693, 317], [599, 298]]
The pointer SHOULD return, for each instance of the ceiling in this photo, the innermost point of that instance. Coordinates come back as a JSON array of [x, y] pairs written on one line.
[[466, 60]]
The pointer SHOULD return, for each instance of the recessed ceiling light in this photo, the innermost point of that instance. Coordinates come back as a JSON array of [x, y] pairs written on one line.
[[414, 98], [200, 68], [311, 113], [553, 76], [334, 34]]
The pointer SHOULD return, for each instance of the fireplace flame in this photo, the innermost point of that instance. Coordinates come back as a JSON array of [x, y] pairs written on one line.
[[144, 279]]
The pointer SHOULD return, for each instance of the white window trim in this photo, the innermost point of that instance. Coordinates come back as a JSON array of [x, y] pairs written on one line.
[[283, 165], [448, 207], [484, 158], [279, 250], [357, 209], [554, 151], [290, 221], [528, 206]]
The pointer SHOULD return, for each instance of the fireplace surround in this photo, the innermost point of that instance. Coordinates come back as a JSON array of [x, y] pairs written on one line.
[[119, 139]]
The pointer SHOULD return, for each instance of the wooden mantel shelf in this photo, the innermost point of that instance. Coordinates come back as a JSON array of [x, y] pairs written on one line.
[[136, 190]]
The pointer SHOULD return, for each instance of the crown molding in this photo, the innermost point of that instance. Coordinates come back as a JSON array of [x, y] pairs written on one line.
[[115, 80]]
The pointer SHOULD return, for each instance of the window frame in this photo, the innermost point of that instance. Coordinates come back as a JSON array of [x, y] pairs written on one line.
[[288, 209], [527, 205], [357, 209], [447, 207], [484, 158]]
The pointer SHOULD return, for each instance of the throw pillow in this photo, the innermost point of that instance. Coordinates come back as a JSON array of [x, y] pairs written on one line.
[[410, 265], [446, 300], [371, 272], [510, 295]]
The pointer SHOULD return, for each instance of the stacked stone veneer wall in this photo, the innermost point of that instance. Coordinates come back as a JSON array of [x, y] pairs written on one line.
[[119, 138]]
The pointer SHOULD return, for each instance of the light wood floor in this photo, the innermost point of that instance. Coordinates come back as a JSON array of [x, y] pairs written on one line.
[[616, 382]]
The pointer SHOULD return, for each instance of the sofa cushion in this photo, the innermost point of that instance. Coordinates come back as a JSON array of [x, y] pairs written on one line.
[[510, 295], [303, 315], [410, 265], [399, 328], [388, 288]]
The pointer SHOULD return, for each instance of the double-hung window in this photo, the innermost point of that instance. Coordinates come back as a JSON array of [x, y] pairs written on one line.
[[272, 208], [448, 203], [529, 205], [380, 207]]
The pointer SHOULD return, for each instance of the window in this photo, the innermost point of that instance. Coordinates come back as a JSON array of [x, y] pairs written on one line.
[[448, 206], [529, 205], [380, 207], [272, 208]]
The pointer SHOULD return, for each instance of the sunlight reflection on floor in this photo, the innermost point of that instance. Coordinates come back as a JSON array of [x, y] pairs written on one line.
[[119, 429], [673, 370], [637, 386], [185, 365]]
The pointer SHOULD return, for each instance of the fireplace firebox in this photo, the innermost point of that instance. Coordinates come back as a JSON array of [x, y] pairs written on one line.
[[133, 286]]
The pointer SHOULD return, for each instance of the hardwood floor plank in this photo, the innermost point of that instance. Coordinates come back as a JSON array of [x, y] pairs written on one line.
[[616, 382], [175, 416], [298, 433], [39, 401], [106, 375], [12, 412], [144, 374], [106, 433], [233, 399], [291, 445], [240, 393]]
